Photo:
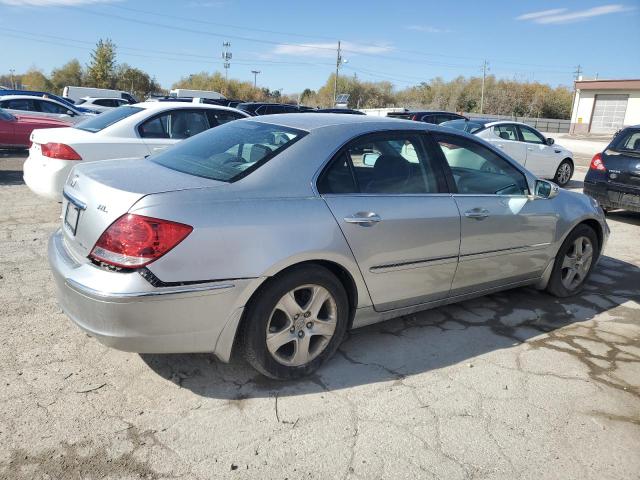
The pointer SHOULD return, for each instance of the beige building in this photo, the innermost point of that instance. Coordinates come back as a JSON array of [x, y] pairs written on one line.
[[604, 106]]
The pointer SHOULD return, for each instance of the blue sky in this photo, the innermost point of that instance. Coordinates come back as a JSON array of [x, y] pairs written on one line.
[[293, 42]]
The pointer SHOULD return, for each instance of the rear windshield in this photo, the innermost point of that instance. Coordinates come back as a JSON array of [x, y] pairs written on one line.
[[464, 125], [230, 151], [106, 119], [628, 141]]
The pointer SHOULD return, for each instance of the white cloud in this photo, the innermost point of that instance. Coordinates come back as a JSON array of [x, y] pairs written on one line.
[[563, 15], [329, 49], [426, 29], [543, 13], [51, 3]]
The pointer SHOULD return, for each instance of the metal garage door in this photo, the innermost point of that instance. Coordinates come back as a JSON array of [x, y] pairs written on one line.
[[608, 113]]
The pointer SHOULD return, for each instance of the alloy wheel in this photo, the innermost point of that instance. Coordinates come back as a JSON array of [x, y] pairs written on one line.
[[576, 263], [301, 325], [564, 173]]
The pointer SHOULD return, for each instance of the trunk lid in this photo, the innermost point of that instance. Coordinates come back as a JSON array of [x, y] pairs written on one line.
[[623, 168], [98, 193], [67, 135]]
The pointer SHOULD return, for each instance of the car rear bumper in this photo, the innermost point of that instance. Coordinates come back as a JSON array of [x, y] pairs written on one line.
[[132, 315], [611, 197], [46, 176]]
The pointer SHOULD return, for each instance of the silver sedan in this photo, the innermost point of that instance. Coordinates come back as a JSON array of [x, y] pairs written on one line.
[[276, 235]]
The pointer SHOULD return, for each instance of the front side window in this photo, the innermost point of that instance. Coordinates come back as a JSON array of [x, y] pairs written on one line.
[[393, 164], [177, 124], [100, 122], [50, 107], [230, 151], [477, 170], [530, 135], [218, 117], [506, 132]]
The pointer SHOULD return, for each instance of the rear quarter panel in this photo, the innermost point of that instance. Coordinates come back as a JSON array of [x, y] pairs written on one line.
[[248, 238]]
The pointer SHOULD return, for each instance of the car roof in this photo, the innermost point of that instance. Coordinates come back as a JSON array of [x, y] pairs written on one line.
[[102, 98], [177, 105], [304, 121]]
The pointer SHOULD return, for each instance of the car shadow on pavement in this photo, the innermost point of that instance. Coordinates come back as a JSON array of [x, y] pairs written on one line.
[[625, 216], [573, 184], [11, 177], [397, 349]]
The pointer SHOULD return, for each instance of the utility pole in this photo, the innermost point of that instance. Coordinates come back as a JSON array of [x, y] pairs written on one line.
[[485, 67], [226, 57], [578, 74], [255, 77], [13, 85], [335, 79]]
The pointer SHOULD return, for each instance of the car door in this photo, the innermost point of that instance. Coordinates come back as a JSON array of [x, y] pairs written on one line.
[[541, 158], [168, 128], [388, 195], [505, 235], [506, 137]]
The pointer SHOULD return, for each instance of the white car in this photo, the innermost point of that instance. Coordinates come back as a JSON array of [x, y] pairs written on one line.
[[41, 106], [102, 104], [540, 155], [131, 131]]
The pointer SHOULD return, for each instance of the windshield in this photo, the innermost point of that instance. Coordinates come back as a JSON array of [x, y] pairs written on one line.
[[106, 119], [628, 141], [230, 151], [468, 126]]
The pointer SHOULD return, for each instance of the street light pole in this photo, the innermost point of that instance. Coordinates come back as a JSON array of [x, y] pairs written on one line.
[[255, 77], [335, 79], [11, 71]]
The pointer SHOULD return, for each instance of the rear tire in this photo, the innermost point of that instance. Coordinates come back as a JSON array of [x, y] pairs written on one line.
[[574, 262], [564, 172], [295, 323]]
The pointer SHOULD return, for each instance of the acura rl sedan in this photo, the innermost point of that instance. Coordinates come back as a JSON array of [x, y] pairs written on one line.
[[275, 235]]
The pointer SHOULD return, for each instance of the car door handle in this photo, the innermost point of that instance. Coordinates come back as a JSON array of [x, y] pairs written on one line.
[[163, 147], [500, 145], [530, 149], [366, 219], [477, 213]]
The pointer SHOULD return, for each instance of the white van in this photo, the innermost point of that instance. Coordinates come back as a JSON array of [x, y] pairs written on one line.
[[184, 93], [76, 93]]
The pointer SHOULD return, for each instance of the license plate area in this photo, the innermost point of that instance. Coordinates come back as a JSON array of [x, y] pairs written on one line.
[[71, 217]]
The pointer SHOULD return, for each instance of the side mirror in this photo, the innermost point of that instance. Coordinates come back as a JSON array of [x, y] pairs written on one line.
[[369, 159], [70, 113], [550, 141], [545, 189]]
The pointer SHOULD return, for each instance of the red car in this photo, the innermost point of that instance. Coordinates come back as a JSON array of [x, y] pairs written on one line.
[[15, 130]]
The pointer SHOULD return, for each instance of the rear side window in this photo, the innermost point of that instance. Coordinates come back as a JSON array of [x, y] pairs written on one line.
[[464, 125], [229, 152], [506, 132], [628, 141], [176, 124], [19, 104], [392, 163], [106, 119]]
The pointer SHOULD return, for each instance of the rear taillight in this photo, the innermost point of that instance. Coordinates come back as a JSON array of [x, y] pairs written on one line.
[[414, 118], [59, 151], [597, 163], [134, 240]]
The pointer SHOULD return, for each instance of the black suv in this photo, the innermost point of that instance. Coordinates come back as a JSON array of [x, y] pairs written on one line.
[[614, 175], [258, 108], [427, 116]]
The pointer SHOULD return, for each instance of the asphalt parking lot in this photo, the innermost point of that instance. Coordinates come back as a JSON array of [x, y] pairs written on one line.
[[513, 385]]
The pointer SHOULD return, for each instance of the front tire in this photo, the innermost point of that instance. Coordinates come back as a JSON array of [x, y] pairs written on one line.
[[564, 172], [295, 323], [575, 261]]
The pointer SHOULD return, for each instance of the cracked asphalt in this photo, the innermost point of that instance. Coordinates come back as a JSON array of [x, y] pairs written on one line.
[[513, 385]]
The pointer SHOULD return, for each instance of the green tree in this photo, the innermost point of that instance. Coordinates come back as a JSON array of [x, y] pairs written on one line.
[[69, 74], [101, 69], [34, 79], [135, 81]]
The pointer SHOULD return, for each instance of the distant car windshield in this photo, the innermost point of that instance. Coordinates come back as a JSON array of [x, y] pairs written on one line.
[[468, 126], [628, 141], [102, 121], [230, 151]]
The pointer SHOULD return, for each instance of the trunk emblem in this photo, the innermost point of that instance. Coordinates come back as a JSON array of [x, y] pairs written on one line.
[[102, 208], [74, 180]]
